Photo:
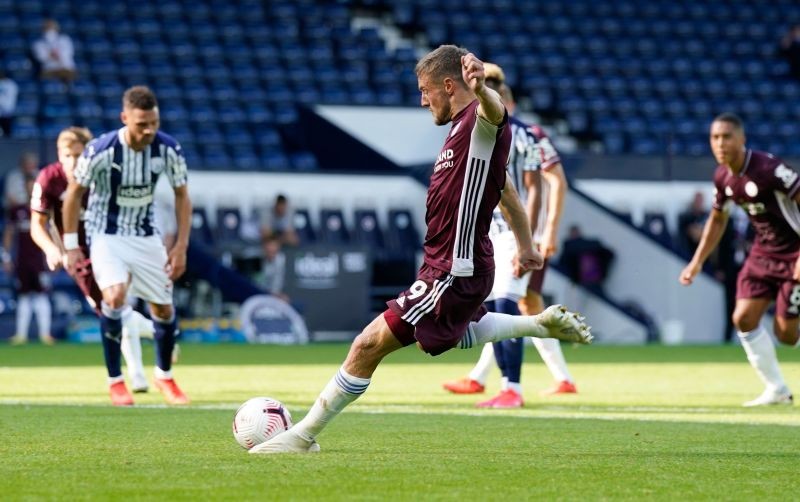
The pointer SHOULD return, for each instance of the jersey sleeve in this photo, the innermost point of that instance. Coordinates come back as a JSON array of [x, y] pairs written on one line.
[[548, 152], [40, 202], [785, 179], [89, 164], [176, 166], [720, 198]]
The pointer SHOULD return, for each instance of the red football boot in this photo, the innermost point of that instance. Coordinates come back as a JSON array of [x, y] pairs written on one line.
[[464, 385], [172, 393], [120, 395], [563, 387], [508, 398]]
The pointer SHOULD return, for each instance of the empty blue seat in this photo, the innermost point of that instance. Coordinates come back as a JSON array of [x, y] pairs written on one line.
[[332, 228]]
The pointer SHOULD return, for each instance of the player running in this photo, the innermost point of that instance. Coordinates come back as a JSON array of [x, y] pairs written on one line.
[[444, 308], [120, 169], [768, 190], [45, 207], [531, 158]]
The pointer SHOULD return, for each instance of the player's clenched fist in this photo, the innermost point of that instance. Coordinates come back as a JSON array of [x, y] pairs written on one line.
[[689, 273], [526, 261], [472, 72]]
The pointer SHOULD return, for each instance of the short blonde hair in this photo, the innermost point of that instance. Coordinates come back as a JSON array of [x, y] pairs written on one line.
[[74, 134], [493, 72], [442, 62]]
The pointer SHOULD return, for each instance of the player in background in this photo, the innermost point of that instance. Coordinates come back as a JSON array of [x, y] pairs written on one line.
[[532, 157], [444, 308], [120, 169], [768, 190], [47, 229], [30, 273]]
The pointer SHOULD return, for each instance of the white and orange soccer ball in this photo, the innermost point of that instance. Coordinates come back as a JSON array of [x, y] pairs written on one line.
[[259, 419]]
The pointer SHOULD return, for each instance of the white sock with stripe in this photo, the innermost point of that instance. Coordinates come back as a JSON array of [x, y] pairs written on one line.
[[550, 350], [342, 390], [760, 352], [494, 327], [481, 370]]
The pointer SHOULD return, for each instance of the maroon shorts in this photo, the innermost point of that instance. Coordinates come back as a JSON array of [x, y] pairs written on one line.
[[436, 310], [84, 278], [537, 279], [767, 277], [29, 279]]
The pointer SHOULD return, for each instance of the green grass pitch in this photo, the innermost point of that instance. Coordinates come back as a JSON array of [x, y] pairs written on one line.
[[650, 423]]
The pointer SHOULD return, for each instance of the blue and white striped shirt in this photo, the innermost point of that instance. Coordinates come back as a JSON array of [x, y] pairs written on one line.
[[122, 181], [524, 156]]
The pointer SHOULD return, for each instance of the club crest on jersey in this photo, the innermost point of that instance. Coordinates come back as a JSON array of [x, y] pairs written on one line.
[[157, 165]]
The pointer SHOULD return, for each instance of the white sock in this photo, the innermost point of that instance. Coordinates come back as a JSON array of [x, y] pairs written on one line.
[[494, 327], [515, 386], [481, 370], [760, 352], [342, 390], [113, 380], [44, 315], [144, 325], [503, 383], [24, 313], [161, 374], [131, 345], [550, 350]]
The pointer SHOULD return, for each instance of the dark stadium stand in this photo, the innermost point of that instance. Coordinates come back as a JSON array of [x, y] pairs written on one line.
[[639, 77]]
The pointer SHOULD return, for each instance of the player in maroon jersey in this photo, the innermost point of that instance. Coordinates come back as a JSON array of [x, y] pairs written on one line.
[[29, 271], [769, 192], [444, 308], [46, 203]]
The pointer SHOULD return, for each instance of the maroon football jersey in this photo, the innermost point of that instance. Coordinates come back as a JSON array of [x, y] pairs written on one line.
[[765, 189], [465, 186], [48, 198]]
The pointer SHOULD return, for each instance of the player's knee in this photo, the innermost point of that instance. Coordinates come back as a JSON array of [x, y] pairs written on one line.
[[161, 311], [745, 321], [786, 334]]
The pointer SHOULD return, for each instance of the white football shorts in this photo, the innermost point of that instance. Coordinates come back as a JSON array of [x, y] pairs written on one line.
[[142, 260], [505, 284]]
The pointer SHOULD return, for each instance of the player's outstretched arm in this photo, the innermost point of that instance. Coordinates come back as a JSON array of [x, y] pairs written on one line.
[[712, 233], [527, 258], [71, 216], [41, 236], [557, 181], [176, 257], [491, 107]]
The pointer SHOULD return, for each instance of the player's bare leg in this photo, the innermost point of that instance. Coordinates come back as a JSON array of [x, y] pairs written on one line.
[[760, 351], [549, 349]]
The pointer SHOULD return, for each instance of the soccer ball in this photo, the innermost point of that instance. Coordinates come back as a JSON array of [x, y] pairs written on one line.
[[259, 419]]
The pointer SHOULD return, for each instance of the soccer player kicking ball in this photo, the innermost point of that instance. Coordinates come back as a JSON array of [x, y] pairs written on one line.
[[444, 308], [46, 202], [531, 158], [120, 169], [768, 190]]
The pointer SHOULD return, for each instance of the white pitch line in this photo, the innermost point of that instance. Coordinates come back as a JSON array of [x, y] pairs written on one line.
[[661, 414]]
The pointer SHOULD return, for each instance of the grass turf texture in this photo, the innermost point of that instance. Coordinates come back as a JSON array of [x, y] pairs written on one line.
[[649, 422]]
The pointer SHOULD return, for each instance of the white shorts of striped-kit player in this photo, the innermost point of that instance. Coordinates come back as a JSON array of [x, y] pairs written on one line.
[[142, 260], [505, 284]]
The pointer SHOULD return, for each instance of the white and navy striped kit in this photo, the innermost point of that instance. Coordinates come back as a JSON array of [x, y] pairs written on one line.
[[122, 182], [524, 156]]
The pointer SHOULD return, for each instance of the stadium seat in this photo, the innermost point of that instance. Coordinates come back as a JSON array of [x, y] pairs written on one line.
[[401, 234], [303, 227], [655, 224], [201, 230], [332, 227], [366, 229], [228, 227]]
